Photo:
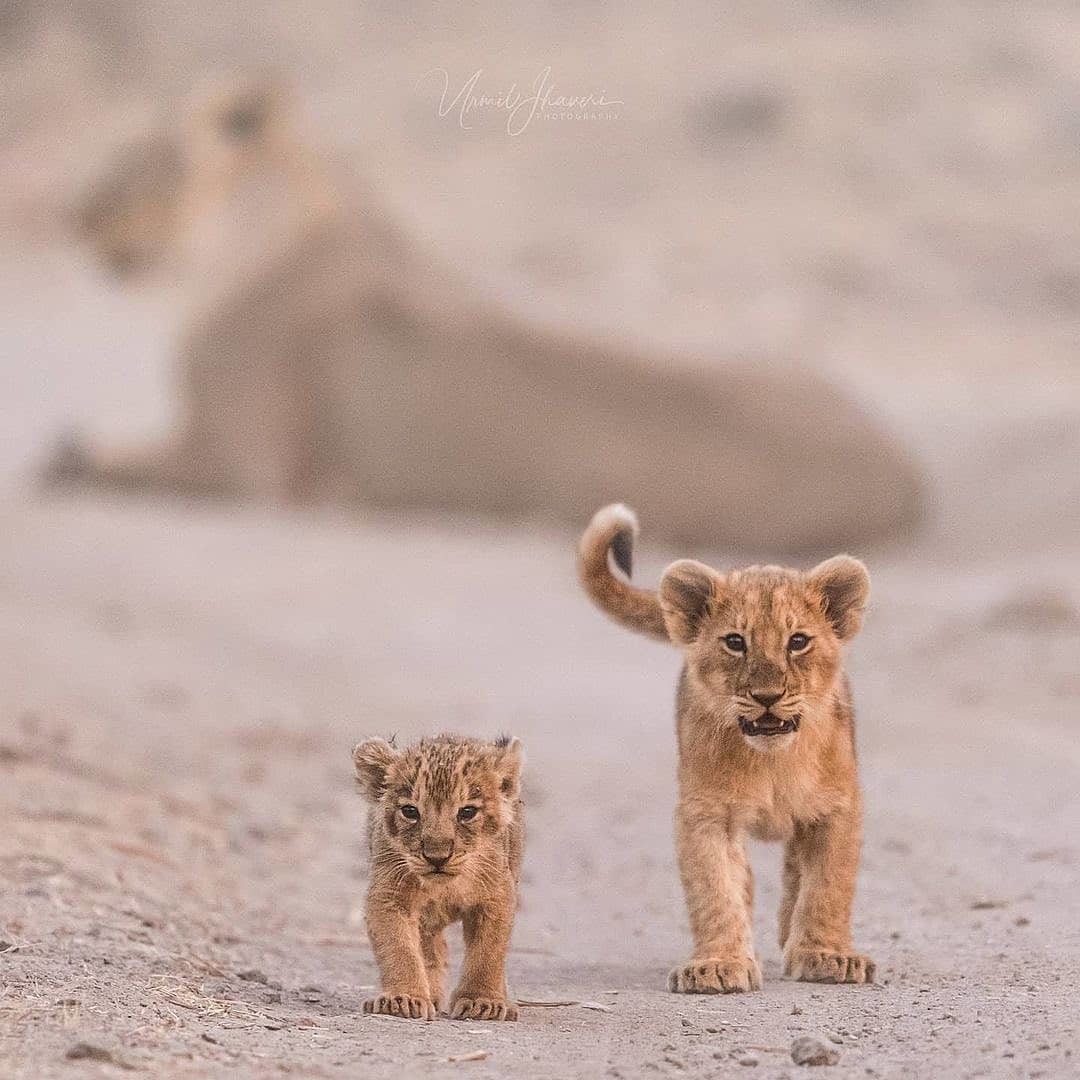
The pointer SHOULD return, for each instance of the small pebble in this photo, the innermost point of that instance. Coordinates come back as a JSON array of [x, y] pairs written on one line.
[[807, 1050], [88, 1052]]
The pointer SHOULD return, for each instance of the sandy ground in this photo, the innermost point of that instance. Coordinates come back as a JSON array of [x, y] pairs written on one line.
[[181, 870], [877, 189]]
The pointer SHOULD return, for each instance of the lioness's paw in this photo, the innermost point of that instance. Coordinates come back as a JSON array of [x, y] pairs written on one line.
[[716, 977], [481, 1008], [830, 967], [404, 1005]]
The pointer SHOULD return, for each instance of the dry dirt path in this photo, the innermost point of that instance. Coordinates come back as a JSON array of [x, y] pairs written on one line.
[[180, 857]]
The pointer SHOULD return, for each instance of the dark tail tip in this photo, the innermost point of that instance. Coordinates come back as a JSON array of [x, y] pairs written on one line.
[[622, 550]]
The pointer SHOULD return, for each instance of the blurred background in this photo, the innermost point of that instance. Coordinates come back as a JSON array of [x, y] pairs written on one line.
[[850, 226], [879, 193]]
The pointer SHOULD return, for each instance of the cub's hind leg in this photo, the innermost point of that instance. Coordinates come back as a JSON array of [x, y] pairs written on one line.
[[791, 879]]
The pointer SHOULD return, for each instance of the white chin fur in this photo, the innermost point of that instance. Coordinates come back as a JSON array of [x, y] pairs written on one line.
[[771, 744]]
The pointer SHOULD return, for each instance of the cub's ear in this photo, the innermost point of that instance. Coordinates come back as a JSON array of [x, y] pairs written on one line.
[[372, 758], [843, 586], [508, 761], [688, 593]]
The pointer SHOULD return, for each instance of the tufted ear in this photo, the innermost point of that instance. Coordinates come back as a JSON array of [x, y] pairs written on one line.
[[688, 594], [843, 586], [508, 761], [371, 759]]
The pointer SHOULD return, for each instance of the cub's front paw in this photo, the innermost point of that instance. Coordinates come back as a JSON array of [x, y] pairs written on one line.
[[482, 1008], [829, 967], [735, 976], [404, 1005]]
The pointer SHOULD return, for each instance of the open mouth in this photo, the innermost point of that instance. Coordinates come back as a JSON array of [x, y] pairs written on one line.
[[768, 724]]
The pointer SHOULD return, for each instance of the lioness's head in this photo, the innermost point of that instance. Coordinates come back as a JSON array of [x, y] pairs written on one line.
[[444, 801], [134, 214], [765, 642]]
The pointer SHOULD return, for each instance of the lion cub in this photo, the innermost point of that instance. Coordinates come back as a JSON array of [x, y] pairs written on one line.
[[766, 740], [445, 833]]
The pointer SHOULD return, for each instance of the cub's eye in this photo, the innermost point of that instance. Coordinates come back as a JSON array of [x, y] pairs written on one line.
[[735, 642], [467, 813], [797, 642], [409, 812]]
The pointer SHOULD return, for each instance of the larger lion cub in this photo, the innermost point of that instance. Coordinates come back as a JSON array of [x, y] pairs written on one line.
[[445, 835], [766, 749]]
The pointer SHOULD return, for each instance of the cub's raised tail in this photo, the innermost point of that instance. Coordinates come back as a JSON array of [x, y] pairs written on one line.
[[614, 530]]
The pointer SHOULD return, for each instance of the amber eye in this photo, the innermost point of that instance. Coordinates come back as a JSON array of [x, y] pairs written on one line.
[[467, 813], [797, 642], [410, 812], [735, 642]]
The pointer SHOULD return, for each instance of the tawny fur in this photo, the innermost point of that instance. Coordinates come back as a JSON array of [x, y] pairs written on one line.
[[328, 357], [410, 902], [798, 786]]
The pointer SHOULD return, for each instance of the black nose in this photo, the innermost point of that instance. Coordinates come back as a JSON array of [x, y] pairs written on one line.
[[766, 697], [437, 861]]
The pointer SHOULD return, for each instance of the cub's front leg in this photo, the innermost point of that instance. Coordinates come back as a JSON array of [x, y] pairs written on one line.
[[482, 993], [395, 938], [823, 859], [719, 890], [436, 960]]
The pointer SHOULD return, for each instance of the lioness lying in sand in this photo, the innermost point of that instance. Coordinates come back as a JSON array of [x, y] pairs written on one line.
[[329, 358]]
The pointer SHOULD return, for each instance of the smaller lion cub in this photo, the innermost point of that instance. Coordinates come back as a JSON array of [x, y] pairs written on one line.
[[445, 834]]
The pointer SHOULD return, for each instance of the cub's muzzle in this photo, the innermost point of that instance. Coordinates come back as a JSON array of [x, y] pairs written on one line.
[[768, 724]]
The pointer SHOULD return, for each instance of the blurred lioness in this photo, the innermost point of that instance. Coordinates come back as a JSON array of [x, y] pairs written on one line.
[[328, 358]]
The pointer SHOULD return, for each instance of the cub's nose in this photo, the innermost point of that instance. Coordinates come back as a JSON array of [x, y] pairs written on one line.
[[439, 856], [767, 698]]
